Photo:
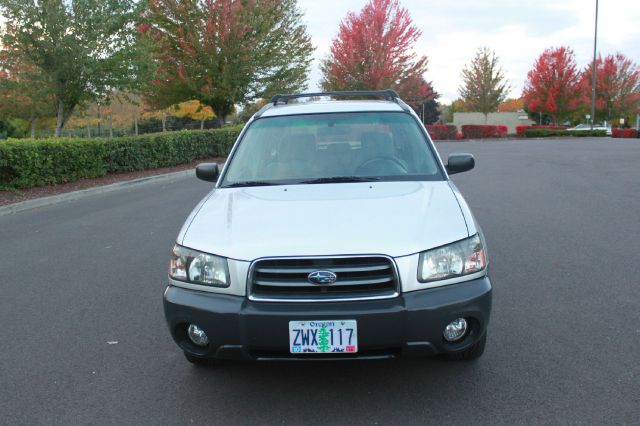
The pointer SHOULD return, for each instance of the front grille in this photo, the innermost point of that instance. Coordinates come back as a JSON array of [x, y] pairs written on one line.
[[371, 277]]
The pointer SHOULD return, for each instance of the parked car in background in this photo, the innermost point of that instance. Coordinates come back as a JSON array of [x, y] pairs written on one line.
[[587, 127], [332, 232]]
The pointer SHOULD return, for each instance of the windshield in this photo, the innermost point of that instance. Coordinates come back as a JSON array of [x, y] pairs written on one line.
[[326, 148]]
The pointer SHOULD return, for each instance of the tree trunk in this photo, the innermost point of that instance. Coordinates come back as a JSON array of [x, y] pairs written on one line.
[[221, 120], [88, 129], [164, 122], [110, 128], [59, 118], [99, 121], [201, 124], [135, 124], [33, 127], [486, 117]]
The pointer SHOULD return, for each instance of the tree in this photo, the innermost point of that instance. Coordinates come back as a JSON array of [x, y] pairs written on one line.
[[127, 108], [118, 113], [6, 129], [83, 49], [194, 110], [160, 115], [24, 95], [249, 109], [617, 87], [428, 110], [224, 52], [483, 83], [374, 50], [553, 85], [511, 105], [457, 105]]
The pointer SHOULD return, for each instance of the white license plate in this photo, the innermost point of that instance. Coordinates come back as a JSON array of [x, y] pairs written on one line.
[[325, 336]]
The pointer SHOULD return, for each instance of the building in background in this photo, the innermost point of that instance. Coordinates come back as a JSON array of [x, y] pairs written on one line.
[[509, 119]]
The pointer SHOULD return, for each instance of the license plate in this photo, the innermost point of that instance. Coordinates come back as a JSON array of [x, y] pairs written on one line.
[[326, 336]]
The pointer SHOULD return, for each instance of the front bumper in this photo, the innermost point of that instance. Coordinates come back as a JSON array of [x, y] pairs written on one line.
[[410, 324]]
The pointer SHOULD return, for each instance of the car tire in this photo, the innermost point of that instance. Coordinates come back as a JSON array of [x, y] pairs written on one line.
[[197, 360], [471, 353]]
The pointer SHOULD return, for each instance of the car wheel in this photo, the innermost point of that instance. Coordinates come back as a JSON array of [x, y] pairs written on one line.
[[473, 352], [197, 360]]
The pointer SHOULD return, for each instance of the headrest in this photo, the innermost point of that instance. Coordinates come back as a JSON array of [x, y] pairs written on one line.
[[377, 144], [298, 147]]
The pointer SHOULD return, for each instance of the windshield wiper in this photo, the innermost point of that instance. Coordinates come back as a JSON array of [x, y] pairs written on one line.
[[250, 183], [342, 179]]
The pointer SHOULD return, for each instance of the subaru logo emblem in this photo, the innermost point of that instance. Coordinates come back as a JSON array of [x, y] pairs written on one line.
[[322, 277]]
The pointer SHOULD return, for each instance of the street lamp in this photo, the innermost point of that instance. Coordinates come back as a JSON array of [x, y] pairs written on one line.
[[593, 78]]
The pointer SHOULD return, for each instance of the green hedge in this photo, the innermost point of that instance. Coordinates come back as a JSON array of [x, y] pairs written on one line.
[[543, 133], [26, 163]]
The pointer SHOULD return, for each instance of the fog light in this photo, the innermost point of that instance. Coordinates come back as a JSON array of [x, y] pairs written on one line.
[[197, 335], [455, 330]]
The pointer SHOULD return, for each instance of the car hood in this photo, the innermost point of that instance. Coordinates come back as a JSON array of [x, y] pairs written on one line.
[[390, 218]]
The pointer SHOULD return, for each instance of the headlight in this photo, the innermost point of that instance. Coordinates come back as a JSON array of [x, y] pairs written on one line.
[[198, 268], [453, 260]]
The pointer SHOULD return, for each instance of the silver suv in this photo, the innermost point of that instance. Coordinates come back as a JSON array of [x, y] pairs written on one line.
[[333, 231]]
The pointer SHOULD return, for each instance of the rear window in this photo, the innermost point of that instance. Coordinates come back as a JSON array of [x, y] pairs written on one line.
[[293, 149]]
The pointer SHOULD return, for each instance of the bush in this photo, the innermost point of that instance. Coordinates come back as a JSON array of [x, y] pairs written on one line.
[[543, 133], [167, 149], [521, 129], [476, 131], [582, 133], [24, 164], [442, 131], [624, 133]]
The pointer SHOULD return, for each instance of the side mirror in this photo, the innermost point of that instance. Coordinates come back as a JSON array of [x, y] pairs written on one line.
[[208, 172], [458, 163]]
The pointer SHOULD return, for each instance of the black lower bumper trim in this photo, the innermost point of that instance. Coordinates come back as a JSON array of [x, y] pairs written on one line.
[[410, 324]]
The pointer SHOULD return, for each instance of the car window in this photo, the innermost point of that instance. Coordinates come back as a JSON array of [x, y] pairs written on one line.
[[299, 148]]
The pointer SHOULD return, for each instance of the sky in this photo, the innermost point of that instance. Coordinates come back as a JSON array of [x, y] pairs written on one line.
[[518, 31]]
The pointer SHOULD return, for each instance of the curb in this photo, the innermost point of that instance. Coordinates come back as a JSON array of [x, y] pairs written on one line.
[[76, 195]]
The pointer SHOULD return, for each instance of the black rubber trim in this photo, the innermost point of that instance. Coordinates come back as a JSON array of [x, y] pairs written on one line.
[[411, 324]]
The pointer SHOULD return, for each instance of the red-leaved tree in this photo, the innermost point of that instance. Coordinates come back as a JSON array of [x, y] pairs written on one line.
[[553, 85], [374, 50], [617, 87]]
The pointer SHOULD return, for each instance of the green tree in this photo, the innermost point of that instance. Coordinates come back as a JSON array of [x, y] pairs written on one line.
[[249, 109], [6, 129], [457, 105], [225, 52], [24, 95], [429, 110], [484, 86], [82, 49]]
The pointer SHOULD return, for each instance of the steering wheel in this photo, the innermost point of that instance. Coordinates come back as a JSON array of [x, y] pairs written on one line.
[[397, 165]]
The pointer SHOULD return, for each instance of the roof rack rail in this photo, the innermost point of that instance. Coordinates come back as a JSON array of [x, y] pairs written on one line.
[[389, 95]]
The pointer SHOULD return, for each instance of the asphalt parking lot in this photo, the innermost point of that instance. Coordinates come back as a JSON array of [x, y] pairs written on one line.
[[83, 338]]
